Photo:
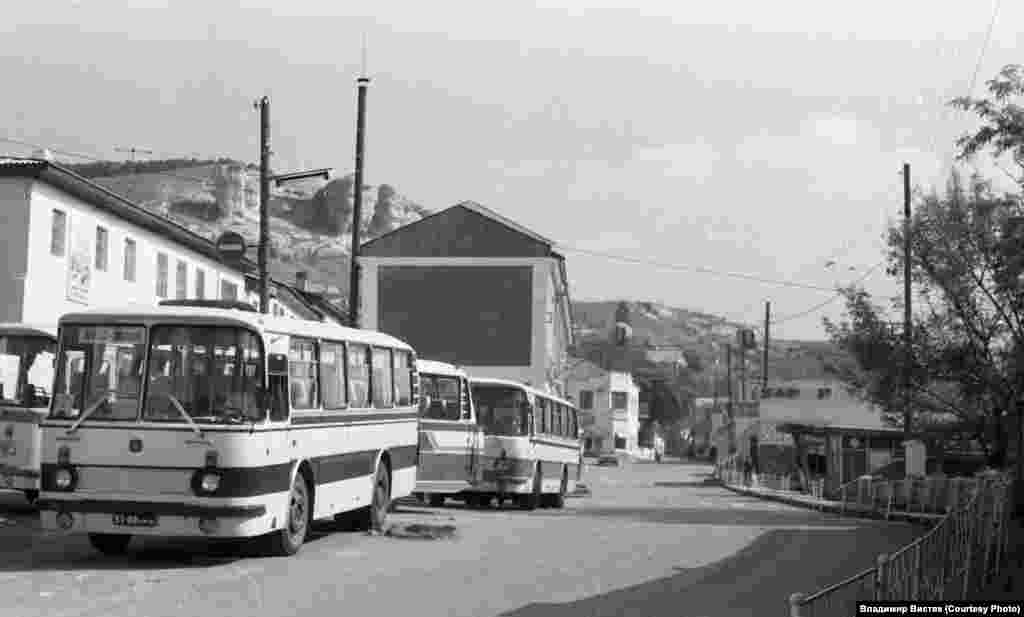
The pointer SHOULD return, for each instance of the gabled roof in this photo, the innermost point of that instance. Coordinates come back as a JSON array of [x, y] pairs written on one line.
[[478, 209], [105, 199]]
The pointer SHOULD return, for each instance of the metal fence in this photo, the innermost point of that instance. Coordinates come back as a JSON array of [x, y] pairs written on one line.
[[961, 554], [935, 495]]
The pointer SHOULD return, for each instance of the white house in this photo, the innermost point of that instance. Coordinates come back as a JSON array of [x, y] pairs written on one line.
[[609, 403], [468, 286], [69, 243]]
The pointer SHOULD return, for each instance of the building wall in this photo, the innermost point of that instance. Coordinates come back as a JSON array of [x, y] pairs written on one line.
[[48, 294], [609, 422], [14, 224], [544, 344]]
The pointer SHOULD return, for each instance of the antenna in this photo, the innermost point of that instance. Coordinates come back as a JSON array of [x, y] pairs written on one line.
[[133, 150]]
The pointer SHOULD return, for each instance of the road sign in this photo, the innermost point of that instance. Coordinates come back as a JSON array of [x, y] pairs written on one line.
[[231, 246]]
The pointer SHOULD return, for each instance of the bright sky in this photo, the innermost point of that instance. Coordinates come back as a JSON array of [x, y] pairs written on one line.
[[763, 138]]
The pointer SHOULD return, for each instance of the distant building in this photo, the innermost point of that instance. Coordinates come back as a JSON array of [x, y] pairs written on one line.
[[609, 404], [468, 286]]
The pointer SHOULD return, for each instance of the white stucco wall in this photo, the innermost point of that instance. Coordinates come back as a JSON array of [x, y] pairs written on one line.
[[14, 212]]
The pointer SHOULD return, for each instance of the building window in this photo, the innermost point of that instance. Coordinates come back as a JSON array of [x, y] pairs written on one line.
[[101, 248], [161, 275], [129, 259], [228, 290], [620, 400], [58, 233], [200, 283], [824, 393], [620, 443], [586, 399], [181, 281]]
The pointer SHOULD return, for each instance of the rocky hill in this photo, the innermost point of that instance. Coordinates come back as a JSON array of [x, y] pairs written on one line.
[[702, 337], [310, 221]]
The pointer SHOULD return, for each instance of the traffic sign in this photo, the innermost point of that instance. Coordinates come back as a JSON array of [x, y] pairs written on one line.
[[231, 246]]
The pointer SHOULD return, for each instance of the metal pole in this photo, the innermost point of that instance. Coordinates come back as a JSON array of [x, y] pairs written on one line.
[[907, 350], [357, 204], [764, 361], [264, 246]]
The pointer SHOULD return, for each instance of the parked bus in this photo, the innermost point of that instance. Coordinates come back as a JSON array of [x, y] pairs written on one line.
[[450, 439], [27, 357], [532, 447], [220, 423]]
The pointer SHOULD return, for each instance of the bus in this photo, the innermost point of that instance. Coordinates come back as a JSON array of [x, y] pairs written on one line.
[[532, 450], [192, 421], [27, 355], [450, 439]]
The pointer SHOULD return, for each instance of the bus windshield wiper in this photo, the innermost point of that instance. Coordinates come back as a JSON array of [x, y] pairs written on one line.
[[88, 412], [184, 414]]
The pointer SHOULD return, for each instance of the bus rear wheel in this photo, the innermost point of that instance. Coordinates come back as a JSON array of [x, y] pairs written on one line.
[[287, 541], [377, 516], [110, 543], [533, 499]]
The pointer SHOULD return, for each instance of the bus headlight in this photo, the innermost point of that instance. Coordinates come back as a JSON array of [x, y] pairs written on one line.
[[205, 482], [64, 479]]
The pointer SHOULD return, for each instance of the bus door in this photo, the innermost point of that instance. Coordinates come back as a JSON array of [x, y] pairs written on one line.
[[474, 434]]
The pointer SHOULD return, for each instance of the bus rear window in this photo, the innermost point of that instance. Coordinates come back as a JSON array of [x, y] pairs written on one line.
[[26, 370], [502, 410]]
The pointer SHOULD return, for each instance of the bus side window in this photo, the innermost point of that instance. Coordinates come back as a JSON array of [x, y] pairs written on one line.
[[464, 398], [277, 387]]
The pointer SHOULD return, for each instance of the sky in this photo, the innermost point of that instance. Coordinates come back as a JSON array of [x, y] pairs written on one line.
[[762, 139]]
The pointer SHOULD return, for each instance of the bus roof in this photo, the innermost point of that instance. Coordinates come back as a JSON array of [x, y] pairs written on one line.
[[24, 329], [495, 381], [435, 367], [232, 317]]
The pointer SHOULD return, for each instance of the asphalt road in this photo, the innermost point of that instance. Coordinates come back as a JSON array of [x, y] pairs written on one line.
[[652, 540]]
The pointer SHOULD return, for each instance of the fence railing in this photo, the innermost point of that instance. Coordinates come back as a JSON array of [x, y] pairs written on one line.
[[962, 553], [934, 495]]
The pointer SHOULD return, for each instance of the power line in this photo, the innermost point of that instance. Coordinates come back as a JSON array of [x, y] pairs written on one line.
[[829, 301], [697, 269]]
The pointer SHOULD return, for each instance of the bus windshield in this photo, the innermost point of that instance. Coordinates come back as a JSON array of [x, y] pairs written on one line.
[[99, 372], [26, 370], [212, 374], [501, 410]]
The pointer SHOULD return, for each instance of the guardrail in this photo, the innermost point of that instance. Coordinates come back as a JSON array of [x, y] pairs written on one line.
[[933, 495], [964, 551]]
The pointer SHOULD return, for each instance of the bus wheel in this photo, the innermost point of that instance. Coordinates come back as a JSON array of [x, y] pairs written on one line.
[[558, 500], [31, 495], [110, 543], [436, 500], [531, 501], [287, 541], [377, 516]]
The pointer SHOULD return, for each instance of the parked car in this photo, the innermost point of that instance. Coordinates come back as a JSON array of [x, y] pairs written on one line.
[[608, 460]]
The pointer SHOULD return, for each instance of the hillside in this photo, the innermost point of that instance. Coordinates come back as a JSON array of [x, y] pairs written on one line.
[[310, 221], [698, 334]]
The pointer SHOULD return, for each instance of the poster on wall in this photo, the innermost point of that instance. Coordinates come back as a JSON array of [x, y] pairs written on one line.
[[79, 264]]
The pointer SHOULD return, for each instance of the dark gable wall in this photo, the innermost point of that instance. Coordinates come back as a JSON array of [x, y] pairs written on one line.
[[473, 315], [455, 232]]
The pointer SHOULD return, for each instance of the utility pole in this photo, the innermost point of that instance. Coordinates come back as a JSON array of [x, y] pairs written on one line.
[[132, 150], [264, 244], [764, 359], [907, 349], [729, 405], [357, 205]]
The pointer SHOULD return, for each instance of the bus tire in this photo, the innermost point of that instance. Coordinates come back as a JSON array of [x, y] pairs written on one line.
[[31, 495], [376, 516], [534, 498], [558, 500], [288, 540], [111, 544]]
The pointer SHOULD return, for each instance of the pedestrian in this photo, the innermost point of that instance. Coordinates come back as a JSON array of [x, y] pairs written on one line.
[[747, 469]]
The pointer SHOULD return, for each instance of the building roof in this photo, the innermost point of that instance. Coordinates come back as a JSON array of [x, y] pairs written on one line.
[[103, 198], [827, 428]]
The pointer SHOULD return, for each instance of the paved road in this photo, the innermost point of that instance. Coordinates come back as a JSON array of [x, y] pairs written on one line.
[[653, 540]]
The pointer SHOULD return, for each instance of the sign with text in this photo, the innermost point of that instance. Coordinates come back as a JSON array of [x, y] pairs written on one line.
[[79, 263]]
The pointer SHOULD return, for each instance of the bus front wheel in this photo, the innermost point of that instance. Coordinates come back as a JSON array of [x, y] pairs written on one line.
[[110, 543], [287, 541]]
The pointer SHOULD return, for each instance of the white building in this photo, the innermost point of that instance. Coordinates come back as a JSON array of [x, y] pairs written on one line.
[[68, 243], [468, 286], [609, 403]]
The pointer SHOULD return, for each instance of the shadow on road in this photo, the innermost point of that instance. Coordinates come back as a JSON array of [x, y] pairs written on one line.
[[705, 483], [747, 514], [755, 581]]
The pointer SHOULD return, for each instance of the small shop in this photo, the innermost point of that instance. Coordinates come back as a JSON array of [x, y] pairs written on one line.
[[840, 454]]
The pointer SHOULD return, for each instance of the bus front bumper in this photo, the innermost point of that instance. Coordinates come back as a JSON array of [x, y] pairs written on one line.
[[154, 518]]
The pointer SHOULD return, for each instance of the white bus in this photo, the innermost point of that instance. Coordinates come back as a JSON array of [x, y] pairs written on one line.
[[210, 422], [27, 355], [532, 447], [450, 439]]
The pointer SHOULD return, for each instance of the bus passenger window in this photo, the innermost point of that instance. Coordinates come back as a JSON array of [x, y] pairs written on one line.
[[383, 395], [403, 378], [358, 377]]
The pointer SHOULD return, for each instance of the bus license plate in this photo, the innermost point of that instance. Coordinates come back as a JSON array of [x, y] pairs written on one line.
[[134, 520]]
